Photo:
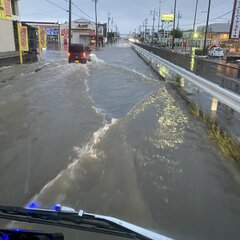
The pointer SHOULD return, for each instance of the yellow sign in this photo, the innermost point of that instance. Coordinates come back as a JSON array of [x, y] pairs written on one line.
[[5, 9], [42, 37], [22, 41], [167, 17]]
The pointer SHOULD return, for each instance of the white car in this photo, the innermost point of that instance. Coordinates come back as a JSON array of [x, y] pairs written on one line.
[[216, 52]]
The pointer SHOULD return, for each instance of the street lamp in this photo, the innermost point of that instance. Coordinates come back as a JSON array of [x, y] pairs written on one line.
[[174, 22], [96, 24], [108, 27], [145, 30], [195, 15], [159, 14], [154, 14], [69, 24], [206, 29], [195, 35]]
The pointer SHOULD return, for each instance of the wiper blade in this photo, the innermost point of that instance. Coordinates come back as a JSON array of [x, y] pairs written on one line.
[[69, 218]]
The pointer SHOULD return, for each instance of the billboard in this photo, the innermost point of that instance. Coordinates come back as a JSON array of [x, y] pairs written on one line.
[[52, 31], [167, 17], [235, 24]]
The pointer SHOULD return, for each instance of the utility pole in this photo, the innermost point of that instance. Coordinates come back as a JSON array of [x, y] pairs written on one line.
[[112, 24], [174, 22], [140, 30], [108, 27], [159, 15], [69, 24], [96, 24], [179, 15], [195, 16], [145, 31], [206, 29], [153, 13]]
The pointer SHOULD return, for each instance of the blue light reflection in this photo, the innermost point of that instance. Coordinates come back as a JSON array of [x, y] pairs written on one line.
[[33, 205], [57, 207]]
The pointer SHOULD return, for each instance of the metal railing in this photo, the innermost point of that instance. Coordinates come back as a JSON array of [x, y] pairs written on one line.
[[226, 75], [215, 90]]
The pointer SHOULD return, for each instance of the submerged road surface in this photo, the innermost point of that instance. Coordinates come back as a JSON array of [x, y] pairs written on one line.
[[111, 137]]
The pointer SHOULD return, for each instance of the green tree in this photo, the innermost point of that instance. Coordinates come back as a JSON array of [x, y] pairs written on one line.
[[177, 33]]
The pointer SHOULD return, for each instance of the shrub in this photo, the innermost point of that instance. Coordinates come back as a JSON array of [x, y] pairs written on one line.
[[198, 52]]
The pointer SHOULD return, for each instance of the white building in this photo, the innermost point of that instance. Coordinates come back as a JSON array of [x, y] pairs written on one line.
[[83, 31], [9, 15]]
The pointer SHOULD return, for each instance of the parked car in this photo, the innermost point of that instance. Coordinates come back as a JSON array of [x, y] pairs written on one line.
[[79, 53], [216, 52]]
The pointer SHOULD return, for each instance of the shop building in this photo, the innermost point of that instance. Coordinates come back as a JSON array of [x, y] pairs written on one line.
[[217, 33], [83, 31], [9, 16], [52, 31]]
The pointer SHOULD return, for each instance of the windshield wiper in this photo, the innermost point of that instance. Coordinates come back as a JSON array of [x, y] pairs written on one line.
[[69, 218]]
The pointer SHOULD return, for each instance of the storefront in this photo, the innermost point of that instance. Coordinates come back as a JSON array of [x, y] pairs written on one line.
[[52, 32], [9, 15], [83, 31], [217, 33]]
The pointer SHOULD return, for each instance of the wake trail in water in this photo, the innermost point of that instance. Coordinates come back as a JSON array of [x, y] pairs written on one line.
[[89, 150], [143, 76]]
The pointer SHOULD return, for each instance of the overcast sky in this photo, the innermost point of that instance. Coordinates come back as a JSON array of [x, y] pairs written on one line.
[[127, 14]]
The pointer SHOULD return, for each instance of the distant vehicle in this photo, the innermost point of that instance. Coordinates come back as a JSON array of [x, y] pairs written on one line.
[[216, 52], [79, 53]]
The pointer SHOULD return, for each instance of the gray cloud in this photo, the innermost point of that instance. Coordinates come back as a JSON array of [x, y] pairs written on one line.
[[127, 14]]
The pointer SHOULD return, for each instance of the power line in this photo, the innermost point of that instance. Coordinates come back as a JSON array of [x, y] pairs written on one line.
[[222, 15], [214, 6], [75, 5], [90, 2], [56, 5], [82, 11], [60, 7], [210, 19]]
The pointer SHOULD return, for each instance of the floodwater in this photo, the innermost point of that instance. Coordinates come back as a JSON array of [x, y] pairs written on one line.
[[111, 137]]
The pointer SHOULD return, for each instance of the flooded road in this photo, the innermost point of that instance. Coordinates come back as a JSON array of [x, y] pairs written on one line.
[[111, 137]]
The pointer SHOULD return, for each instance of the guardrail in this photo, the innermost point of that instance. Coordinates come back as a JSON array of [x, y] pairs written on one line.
[[205, 68], [223, 95]]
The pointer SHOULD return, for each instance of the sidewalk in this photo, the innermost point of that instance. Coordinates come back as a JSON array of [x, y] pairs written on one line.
[[9, 54], [9, 73], [9, 58]]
